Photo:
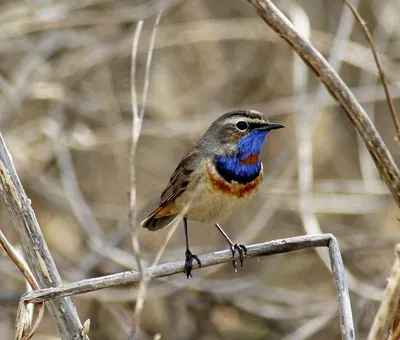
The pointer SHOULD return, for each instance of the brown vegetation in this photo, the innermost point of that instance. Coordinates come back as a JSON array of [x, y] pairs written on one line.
[[66, 118]]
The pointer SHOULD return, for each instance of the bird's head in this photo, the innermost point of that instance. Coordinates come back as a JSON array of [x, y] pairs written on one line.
[[239, 134]]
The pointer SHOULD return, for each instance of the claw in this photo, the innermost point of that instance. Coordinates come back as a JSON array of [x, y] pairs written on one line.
[[241, 250], [189, 257], [233, 255]]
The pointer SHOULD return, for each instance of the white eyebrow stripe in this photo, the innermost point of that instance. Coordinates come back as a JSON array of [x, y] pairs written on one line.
[[248, 120]]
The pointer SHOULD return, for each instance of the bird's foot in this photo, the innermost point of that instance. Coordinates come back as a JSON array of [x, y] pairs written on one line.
[[242, 250], [189, 257]]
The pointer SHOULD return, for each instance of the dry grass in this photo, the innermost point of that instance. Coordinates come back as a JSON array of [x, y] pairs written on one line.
[[65, 114]]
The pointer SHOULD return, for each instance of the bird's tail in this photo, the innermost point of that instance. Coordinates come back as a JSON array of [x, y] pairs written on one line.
[[156, 220]]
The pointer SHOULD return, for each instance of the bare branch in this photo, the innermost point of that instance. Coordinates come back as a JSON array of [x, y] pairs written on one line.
[[305, 119], [211, 259], [338, 89], [34, 246]]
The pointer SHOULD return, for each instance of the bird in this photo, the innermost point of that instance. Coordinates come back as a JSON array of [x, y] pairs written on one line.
[[220, 173]]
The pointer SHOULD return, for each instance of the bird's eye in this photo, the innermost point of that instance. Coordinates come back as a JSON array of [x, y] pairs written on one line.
[[242, 125]]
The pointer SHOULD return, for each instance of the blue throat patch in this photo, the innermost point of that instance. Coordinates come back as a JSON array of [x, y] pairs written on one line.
[[233, 168]]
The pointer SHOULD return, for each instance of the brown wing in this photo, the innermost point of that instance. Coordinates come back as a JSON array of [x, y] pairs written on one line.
[[181, 176], [166, 211]]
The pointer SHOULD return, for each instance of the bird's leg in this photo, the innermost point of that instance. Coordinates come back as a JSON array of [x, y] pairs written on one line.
[[234, 246], [188, 255]]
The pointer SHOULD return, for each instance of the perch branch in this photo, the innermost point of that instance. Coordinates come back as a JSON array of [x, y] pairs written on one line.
[[257, 250]]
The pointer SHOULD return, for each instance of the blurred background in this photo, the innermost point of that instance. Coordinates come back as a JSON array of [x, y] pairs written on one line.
[[65, 114]]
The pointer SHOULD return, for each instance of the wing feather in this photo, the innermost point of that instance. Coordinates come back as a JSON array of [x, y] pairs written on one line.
[[180, 179], [178, 183]]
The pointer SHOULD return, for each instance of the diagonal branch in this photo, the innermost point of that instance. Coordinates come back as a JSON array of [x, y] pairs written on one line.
[[34, 246], [257, 250], [338, 89]]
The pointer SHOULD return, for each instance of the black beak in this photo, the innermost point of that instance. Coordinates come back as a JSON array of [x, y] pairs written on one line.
[[273, 126], [265, 126]]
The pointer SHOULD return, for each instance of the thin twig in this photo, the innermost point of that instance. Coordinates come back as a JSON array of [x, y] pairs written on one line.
[[365, 29], [25, 328], [148, 64], [143, 284], [381, 35], [136, 129], [20, 264], [136, 126]]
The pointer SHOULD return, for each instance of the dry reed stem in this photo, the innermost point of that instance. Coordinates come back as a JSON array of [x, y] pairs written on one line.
[[388, 307], [34, 246], [136, 128]]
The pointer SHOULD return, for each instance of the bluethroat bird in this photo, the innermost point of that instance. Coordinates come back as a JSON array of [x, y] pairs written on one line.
[[222, 171]]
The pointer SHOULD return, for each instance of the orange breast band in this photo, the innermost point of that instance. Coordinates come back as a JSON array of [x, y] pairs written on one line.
[[234, 189]]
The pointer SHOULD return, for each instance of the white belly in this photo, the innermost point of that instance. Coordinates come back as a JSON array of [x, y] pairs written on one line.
[[208, 204]]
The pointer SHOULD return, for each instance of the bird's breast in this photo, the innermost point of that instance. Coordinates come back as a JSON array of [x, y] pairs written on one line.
[[212, 198], [233, 188]]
